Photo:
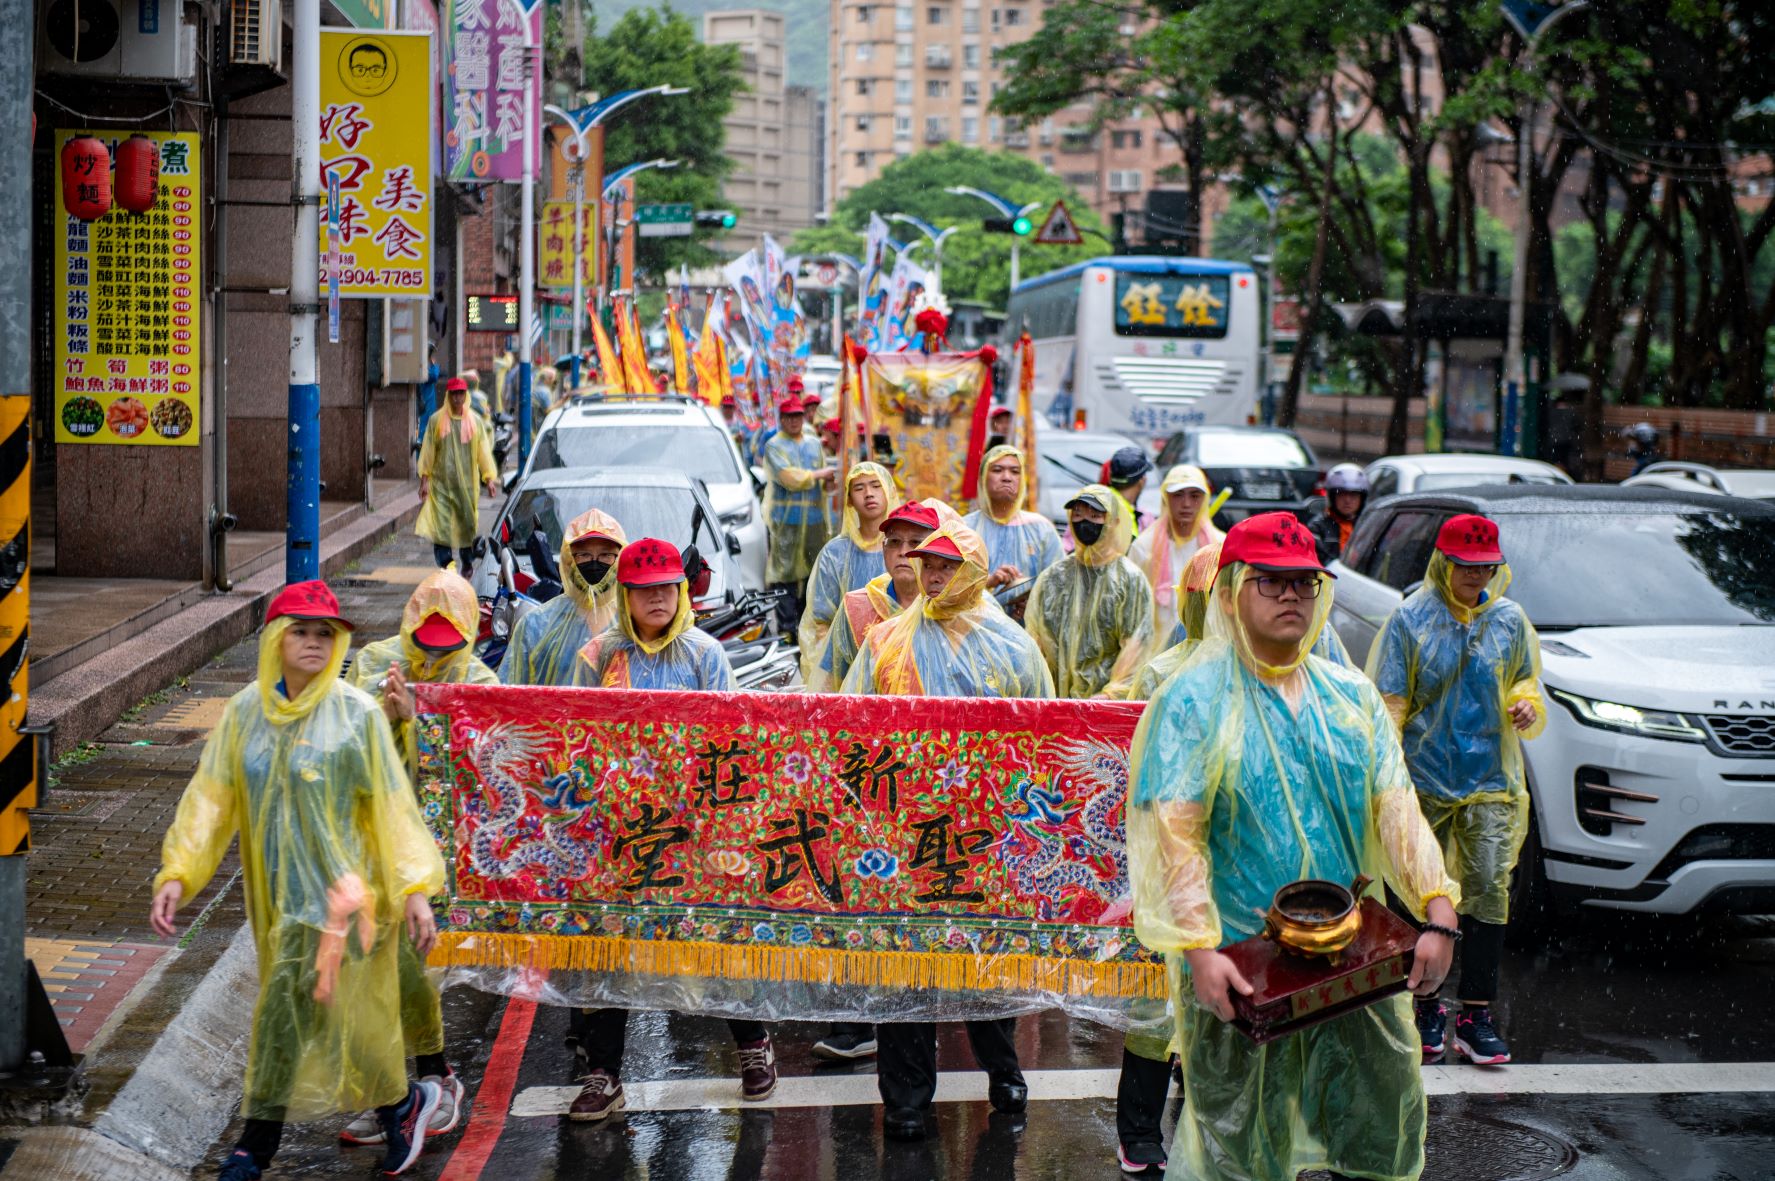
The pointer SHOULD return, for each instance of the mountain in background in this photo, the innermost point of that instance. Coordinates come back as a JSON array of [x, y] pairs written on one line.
[[804, 28]]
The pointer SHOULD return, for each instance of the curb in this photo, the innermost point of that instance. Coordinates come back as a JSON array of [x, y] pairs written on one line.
[[84, 701]]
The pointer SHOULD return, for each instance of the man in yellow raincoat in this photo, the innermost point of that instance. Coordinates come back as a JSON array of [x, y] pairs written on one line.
[[794, 504], [848, 561], [884, 597], [335, 860], [653, 644], [1162, 551], [1460, 668], [455, 462], [1019, 544], [434, 647], [951, 642], [1092, 613], [1257, 765], [545, 644]]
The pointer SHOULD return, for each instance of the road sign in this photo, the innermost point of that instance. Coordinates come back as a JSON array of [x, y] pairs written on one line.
[[1058, 228], [664, 221]]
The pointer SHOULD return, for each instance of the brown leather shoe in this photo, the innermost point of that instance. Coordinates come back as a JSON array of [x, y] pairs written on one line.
[[758, 1070], [600, 1095]]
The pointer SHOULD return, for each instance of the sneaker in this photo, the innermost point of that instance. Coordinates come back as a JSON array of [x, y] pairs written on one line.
[[240, 1166], [758, 1070], [600, 1095], [1142, 1158], [449, 1112], [405, 1127], [1477, 1037], [366, 1129], [1433, 1028], [845, 1045]]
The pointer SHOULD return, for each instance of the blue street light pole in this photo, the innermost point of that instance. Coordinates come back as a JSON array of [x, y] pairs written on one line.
[[612, 184], [937, 238], [1007, 209]]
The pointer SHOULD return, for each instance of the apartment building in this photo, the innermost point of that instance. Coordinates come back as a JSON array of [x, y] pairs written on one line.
[[775, 134]]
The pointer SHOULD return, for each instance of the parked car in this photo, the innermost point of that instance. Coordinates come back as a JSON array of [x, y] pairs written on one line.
[[1432, 473], [1654, 783], [596, 433], [1268, 469], [1069, 461], [647, 502], [1699, 477]]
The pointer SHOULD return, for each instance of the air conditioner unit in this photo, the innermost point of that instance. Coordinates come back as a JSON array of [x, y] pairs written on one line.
[[124, 40], [256, 33]]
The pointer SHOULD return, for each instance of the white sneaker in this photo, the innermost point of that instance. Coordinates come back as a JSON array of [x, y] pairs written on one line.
[[366, 1129]]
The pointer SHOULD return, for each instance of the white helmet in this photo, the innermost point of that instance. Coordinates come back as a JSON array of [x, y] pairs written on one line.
[[1346, 477]]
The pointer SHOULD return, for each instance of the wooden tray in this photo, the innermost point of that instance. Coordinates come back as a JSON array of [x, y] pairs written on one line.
[[1294, 992]]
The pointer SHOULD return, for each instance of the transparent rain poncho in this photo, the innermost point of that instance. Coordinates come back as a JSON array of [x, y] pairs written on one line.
[[1092, 613], [1450, 675], [960, 644], [544, 646], [1018, 538], [457, 457], [1247, 777], [794, 505], [332, 843], [681, 658], [846, 563], [858, 612], [1162, 556]]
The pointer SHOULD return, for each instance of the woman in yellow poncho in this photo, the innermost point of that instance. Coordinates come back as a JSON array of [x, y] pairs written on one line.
[[1163, 550], [544, 647], [848, 561], [1092, 614], [455, 461], [335, 858], [1257, 765]]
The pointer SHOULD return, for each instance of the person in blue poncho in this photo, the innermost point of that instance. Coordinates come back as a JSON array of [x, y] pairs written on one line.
[[1019, 544], [849, 560]]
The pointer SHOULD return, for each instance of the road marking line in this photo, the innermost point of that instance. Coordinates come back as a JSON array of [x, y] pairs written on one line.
[[495, 1094], [853, 1090]]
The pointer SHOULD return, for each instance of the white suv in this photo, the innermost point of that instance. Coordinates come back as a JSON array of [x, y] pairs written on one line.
[[668, 431], [1654, 782]]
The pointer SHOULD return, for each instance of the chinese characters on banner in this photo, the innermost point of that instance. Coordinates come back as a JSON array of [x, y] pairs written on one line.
[[374, 137], [127, 305], [554, 237], [484, 88], [1172, 304], [779, 845]]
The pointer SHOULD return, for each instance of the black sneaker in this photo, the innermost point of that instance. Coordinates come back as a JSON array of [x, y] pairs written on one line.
[[404, 1127], [1433, 1028], [846, 1045], [1477, 1037], [240, 1166], [1142, 1158]]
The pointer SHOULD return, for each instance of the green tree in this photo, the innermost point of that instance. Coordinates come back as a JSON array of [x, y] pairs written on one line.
[[976, 264]]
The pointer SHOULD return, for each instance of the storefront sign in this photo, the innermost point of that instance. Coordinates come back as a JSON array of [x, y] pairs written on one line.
[[484, 88], [554, 263], [128, 300]]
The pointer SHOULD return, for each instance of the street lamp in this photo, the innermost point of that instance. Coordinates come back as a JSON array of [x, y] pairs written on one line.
[[1007, 210], [937, 238], [581, 122], [855, 264], [611, 191]]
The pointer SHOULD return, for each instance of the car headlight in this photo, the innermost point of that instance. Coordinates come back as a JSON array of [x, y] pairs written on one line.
[[737, 518], [1630, 719]]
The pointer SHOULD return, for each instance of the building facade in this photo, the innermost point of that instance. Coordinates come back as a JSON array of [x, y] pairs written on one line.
[[774, 134]]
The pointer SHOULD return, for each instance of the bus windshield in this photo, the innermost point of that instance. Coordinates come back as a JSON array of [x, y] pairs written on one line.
[[1173, 305]]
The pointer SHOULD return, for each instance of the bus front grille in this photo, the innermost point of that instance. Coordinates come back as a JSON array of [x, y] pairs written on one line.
[[1169, 379]]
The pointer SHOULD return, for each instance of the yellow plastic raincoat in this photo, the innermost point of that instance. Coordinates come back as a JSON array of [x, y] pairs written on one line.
[[1246, 777], [1450, 675], [960, 644], [794, 505], [1162, 556], [457, 457], [845, 564], [1092, 614], [682, 658], [317, 791], [545, 645], [1019, 537], [858, 613]]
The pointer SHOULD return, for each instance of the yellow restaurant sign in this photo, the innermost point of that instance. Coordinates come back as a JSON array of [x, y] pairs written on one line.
[[554, 239]]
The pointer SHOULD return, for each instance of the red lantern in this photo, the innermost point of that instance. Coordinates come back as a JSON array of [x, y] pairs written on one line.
[[86, 178], [138, 173]]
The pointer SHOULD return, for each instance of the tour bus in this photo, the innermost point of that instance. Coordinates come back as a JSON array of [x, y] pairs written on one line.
[[1142, 345]]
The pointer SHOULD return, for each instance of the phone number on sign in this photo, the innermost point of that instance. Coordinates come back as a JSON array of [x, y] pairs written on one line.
[[379, 277]]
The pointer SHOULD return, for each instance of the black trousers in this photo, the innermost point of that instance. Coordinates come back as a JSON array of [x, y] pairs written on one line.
[[1140, 1099], [262, 1137], [906, 1065], [790, 606], [1482, 951], [599, 1036], [443, 555]]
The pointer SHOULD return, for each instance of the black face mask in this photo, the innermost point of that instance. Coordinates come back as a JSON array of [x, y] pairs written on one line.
[[1087, 532], [592, 570]]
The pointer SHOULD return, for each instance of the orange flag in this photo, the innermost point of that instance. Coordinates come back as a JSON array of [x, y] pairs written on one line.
[[710, 365], [1026, 416], [609, 365], [680, 352], [634, 350]]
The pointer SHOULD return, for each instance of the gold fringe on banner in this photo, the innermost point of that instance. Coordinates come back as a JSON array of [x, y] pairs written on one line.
[[814, 965]]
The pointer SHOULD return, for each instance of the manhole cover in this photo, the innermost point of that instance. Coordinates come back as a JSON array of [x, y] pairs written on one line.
[[1474, 1148]]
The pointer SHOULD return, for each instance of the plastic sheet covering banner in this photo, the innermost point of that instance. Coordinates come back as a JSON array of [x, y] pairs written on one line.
[[933, 407], [784, 856]]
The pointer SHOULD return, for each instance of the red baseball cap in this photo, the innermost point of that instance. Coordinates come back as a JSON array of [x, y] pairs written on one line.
[[1470, 540], [1272, 542], [313, 599], [790, 405], [998, 410], [728, 400], [941, 547], [794, 385], [456, 383], [912, 513], [438, 633], [649, 562]]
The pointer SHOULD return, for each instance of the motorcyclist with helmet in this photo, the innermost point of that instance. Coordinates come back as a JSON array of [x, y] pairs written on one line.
[[1346, 495]]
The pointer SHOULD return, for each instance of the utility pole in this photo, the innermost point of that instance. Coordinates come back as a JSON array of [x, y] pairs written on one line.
[[302, 527]]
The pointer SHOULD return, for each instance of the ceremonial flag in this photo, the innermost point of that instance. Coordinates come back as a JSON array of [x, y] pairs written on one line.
[[1026, 416], [680, 349], [609, 364], [634, 349]]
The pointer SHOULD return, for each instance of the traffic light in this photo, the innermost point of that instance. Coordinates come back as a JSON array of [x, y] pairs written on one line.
[[1019, 225], [716, 219]]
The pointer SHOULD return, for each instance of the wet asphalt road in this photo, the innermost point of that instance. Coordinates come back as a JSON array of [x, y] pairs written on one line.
[[1645, 995]]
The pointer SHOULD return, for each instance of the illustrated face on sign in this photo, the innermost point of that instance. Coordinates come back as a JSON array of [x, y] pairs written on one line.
[[367, 68]]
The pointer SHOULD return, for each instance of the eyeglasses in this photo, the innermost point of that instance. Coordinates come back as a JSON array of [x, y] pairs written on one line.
[[1271, 588], [1487, 570]]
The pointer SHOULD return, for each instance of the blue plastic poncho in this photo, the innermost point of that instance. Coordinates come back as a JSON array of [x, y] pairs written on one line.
[[545, 644], [794, 505], [846, 563], [1449, 675], [1247, 777], [960, 644], [682, 658], [857, 616], [1092, 613], [1017, 538]]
